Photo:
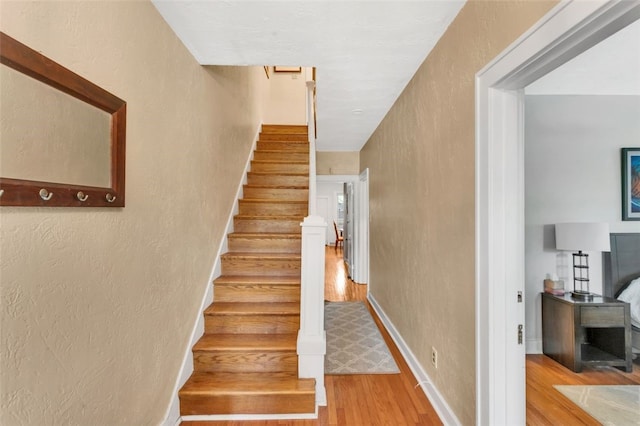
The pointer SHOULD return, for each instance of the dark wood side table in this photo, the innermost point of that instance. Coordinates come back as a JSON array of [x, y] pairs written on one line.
[[578, 332]]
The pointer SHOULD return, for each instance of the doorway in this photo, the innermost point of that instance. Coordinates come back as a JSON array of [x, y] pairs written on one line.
[[568, 30], [356, 232]]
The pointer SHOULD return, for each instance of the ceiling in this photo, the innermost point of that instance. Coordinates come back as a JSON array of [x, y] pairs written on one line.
[[365, 52]]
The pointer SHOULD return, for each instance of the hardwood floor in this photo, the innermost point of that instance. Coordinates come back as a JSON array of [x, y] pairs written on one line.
[[382, 399], [394, 400], [337, 287], [547, 406]]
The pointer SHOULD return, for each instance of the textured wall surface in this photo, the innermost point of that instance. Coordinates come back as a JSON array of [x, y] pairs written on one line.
[[338, 163], [286, 98], [97, 304], [421, 161]]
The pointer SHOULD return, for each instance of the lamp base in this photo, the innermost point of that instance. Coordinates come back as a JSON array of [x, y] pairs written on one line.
[[581, 294]]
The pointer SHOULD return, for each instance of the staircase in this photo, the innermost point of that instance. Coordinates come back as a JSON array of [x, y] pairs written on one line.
[[246, 361]]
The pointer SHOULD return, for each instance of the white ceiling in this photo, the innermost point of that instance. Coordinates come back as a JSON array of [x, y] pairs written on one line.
[[611, 67], [365, 52]]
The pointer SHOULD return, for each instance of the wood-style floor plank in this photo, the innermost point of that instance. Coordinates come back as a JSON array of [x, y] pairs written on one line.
[[377, 399], [394, 400], [548, 407]]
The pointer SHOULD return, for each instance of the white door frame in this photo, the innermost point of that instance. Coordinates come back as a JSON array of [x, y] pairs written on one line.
[[361, 226], [566, 31]]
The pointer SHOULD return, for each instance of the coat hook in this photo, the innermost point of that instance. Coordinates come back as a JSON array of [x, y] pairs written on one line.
[[110, 198], [45, 195], [82, 196]]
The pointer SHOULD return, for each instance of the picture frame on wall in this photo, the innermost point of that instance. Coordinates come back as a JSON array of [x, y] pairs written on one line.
[[631, 183], [280, 68]]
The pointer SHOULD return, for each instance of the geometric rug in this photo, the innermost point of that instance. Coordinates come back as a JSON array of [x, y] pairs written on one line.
[[354, 343], [610, 405]]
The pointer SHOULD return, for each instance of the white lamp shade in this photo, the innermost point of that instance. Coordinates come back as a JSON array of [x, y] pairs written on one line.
[[583, 236]]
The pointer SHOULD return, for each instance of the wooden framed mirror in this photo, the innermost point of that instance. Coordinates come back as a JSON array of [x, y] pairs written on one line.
[[62, 138]]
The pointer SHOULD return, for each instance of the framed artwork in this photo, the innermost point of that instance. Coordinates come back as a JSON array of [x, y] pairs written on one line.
[[630, 183], [280, 68]]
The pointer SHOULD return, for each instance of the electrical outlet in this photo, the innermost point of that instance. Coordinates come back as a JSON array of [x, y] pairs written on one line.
[[434, 357]]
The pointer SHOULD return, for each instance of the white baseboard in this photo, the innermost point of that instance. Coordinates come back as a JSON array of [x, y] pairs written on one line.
[[533, 346], [439, 403], [172, 416]]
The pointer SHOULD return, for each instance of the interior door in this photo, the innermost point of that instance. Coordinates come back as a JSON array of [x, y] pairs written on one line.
[[348, 228]]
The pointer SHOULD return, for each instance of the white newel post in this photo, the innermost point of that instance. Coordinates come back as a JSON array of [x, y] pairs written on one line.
[[312, 340]]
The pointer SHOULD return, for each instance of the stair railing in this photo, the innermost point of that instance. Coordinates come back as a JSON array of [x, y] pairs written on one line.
[[312, 342], [312, 145]]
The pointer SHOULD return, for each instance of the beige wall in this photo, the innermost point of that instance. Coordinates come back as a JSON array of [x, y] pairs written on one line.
[[338, 163], [98, 304], [421, 161], [286, 98]]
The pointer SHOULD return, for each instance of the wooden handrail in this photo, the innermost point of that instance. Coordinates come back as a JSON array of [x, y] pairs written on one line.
[[312, 146]]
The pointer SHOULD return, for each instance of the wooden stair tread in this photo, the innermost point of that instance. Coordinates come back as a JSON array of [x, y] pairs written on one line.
[[273, 192], [265, 256], [285, 128], [267, 217], [295, 135], [275, 144], [299, 134], [286, 138], [259, 222], [273, 151], [276, 128], [202, 383], [257, 279], [295, 144], [294, 138], [280, 166], [255, 241], [275, 154], [269, 200], [290, 149], [249, 308], [276, 186], [261, 263], [264, 235], [257, 292], [292, 132], [301, 138], [271, 173], [246, 342], [281, 161]]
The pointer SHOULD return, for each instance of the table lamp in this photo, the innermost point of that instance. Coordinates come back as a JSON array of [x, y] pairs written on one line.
[[579, 237]]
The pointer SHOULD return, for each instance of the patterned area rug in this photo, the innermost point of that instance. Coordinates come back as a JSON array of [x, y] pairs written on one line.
[[354, 343], [610, 405]]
